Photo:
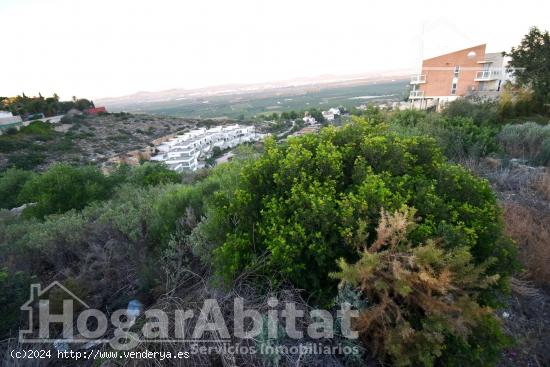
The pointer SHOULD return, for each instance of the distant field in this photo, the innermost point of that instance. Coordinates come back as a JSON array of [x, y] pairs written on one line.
[[249, 105]]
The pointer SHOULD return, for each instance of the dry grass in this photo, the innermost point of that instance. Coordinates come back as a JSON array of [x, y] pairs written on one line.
[[530, 228], [542, 185]]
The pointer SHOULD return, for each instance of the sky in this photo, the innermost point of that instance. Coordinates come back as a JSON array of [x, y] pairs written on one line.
[[107, 48]]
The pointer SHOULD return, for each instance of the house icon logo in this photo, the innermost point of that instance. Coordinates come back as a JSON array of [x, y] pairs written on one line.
[[41, 318]]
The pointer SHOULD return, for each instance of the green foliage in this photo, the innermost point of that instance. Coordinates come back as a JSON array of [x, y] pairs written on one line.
[[481, 112], [459, 137], [317, 115], [483, 347], [303, 204], [530, 60], [8, 145], [14, 291], [153, 174], [423, 299], [529, 141], [26, 160], [28, 147], [38, 129], [374, 115], [408, 118], [35, 131], [11, 183], [50, 106], [62, 188], [178, 209]]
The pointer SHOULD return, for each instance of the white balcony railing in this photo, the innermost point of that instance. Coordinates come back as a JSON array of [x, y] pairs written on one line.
[[418, 79], [416, 94], [486, 75]]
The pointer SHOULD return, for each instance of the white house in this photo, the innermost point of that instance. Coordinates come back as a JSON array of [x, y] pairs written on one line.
[[334, 111], [331, 114], [309, 120]]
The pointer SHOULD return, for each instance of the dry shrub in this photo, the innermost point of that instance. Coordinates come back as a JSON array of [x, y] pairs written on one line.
[[418, 295], [530, 228], [542, 185], [193, 298]]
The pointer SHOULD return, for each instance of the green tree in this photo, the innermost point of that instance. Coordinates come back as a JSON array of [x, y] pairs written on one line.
[[83, 104], [317, 115], [530, 60]]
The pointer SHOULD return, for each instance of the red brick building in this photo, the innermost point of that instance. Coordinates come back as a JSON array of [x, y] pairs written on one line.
[[94, 111], [470, 71]]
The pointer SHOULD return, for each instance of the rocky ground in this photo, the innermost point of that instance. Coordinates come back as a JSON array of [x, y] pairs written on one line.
[[93, 139], [523, 192]]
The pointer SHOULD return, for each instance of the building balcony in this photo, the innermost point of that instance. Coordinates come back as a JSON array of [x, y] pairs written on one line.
[[415, 94], [486, 75], [418, 79]]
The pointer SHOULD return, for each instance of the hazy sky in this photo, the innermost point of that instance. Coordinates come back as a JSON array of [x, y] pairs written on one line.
[[106, 48]]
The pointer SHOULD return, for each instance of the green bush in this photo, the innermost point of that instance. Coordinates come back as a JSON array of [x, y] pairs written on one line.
[[26, 160], [63, 187], [303, 204], [178, 209], [96, 251], [8, 145], [11, 183], [38, 129], [529, 141], [14, 291], [153, 174], [460, 138], [408, 117], [482, 112]]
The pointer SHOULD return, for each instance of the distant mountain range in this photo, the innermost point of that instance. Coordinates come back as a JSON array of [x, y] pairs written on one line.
[[259, 90]]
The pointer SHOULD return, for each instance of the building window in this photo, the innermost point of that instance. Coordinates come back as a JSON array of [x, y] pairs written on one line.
[[457, 71], [453, 89]]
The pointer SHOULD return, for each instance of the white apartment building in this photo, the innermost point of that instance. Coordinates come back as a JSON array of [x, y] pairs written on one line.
[[183, 152]]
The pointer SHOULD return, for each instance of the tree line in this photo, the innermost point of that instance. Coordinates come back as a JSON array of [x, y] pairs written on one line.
[[22, 105]]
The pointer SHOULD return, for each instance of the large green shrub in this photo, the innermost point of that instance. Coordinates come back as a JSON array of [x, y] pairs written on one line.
[[11, 183], [304, 204], [64, 187]]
